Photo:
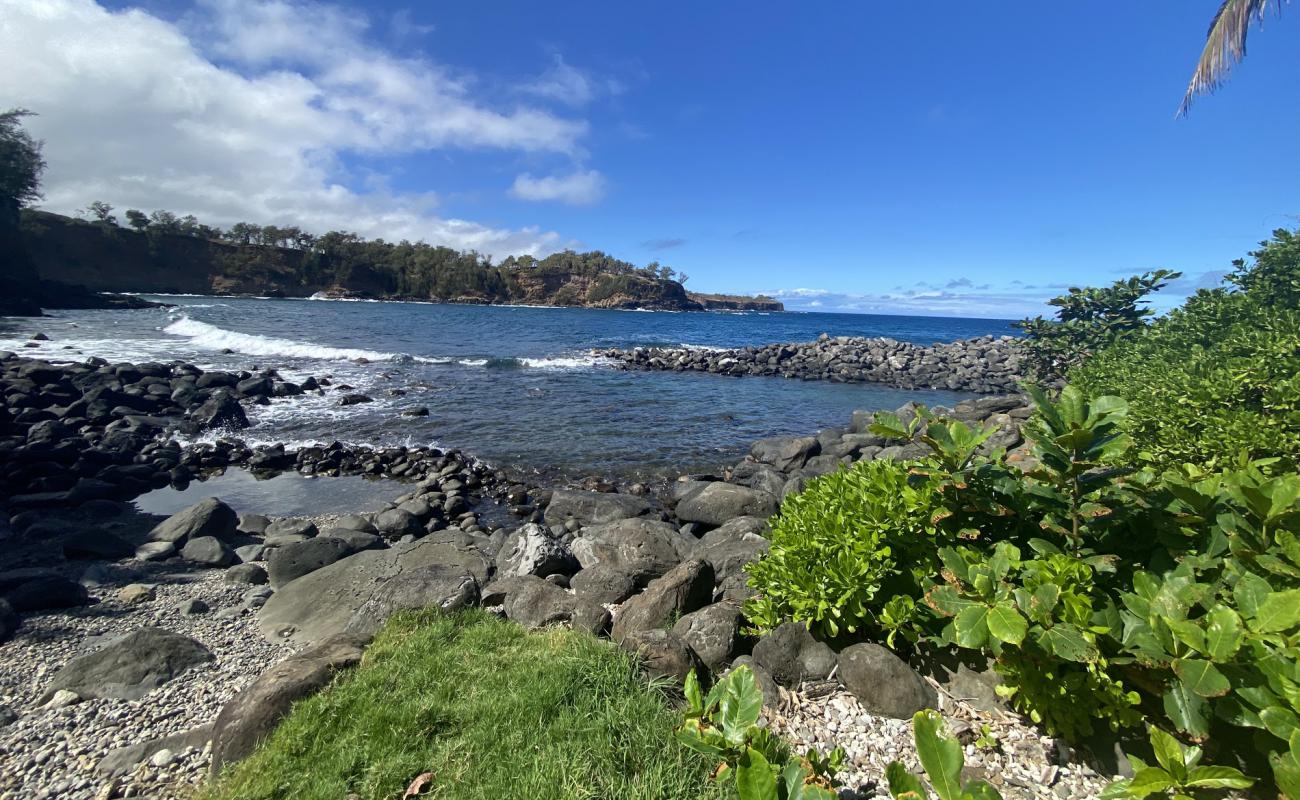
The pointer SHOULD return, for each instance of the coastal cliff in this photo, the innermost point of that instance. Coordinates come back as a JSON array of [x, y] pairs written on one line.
[[108, 258]]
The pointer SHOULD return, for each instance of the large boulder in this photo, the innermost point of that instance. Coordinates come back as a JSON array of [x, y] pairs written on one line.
[[733, 546], [96, 544], [719, 502], [883, 683], [642, 548], [685, 588], [321, 603], [299, 558], [208, 551], [534, 550], [129, 667], [396, 523], [536, 603], [711, 632], [43, 592], [593, 508], [221, 410], [663, 654], [445, 588], [208, 517], [787, 652], [252, 714], [785, 453], [603, 583]]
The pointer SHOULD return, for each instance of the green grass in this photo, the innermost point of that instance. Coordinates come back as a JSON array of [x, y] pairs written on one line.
[[491, 710]]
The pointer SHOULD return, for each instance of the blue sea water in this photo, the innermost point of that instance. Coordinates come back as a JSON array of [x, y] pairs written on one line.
[[516, 386]]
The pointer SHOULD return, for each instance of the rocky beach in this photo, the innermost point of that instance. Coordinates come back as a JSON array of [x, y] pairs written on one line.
[[143, 651]]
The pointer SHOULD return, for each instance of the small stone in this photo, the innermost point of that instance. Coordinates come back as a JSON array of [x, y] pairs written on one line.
[[136, 593], [62, 699], [162, 758]]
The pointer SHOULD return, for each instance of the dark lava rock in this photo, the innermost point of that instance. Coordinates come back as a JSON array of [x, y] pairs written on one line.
[[685, 588], [593, 508], [297, 559], [96, 544], [604, 583], [711, 632], [208, 551], [46, 592], [642, 548], [129, 667], [663, 654], [883, 683], [208, 517], [717, 503]]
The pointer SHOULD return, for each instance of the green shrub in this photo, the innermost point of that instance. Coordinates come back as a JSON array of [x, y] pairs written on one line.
[[850, 540], [1212, 380]]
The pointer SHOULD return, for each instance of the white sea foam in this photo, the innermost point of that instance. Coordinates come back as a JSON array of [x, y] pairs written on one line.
[[563, 362], [210, 337]]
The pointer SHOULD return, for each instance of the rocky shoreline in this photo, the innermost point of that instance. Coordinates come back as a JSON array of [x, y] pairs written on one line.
[[212, 623], [985, 365]]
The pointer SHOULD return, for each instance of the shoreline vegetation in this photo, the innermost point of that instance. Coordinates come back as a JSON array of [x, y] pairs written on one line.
[[166, 254]]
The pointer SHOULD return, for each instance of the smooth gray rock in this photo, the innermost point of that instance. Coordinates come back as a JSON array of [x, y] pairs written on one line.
[[711, 632], [603, 583], [719, 502], [593, 508], [123, 759], [290, 527], [320, 603], [733, 546], [129, 667], [883, 683], [247, 573], [356, 522], [356, 540], [208, 551], [448, 589], [533, 550], [155, 551], [642, 548], [297, 559], [685, 588], [251, 552], [208, 517], [663, 654], [254, 524], [396, 523], [785, 453], [251, 715]]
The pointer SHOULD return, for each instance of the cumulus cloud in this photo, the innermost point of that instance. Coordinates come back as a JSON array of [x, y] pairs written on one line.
[[248, 110], [581, 187]]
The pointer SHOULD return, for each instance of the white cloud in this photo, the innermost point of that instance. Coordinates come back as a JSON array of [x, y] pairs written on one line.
[[567, 84], [996, 304], [136, 112], [579, 188]]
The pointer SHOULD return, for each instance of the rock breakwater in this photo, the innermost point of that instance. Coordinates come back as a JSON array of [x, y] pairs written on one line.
[[985, 365]]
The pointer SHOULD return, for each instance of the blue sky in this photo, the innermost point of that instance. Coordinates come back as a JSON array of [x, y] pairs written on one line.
[[949, 157]]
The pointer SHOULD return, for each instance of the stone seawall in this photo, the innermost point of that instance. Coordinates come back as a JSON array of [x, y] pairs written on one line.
[[986, 365]]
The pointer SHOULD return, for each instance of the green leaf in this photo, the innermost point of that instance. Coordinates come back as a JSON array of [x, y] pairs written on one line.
[[971, 627], [1286, 774], [1223, 632], [1187, 711], [1201, 677], [740, 704], [1217, 778], [1148, 781], [1279, 721], [1169, 753], [755, 779], [1067, 642], [694, 699], [940, 754], [1118, 790], [1007, 624], [948, 601], [903, 785], [1278, 612], [980, 790]]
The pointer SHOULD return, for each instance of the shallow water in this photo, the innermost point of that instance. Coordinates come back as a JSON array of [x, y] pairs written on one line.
[[288, 494], [515, 386]]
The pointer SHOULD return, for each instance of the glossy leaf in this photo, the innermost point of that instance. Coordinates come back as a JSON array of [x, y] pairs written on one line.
[[940, 754], [755, 778]]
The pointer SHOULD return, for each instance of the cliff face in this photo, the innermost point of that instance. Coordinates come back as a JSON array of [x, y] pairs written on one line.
[[731, 302], [110, 259]]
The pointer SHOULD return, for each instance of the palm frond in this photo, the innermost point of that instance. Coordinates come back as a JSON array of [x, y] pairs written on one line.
[[1225, 45]]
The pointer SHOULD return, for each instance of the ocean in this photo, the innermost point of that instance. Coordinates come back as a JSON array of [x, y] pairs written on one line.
[[515, 386]]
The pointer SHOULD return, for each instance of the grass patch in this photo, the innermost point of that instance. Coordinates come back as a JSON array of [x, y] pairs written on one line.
[[491, 710]]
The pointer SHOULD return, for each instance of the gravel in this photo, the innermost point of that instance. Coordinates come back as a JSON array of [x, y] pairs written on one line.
[[1023, 765], [52, 753]]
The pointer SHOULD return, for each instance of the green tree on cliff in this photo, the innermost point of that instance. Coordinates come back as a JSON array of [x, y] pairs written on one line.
[[21, 165]]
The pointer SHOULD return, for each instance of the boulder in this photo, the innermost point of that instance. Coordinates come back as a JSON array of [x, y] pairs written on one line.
[[779, 652], [685, 588], [733, 546], [46, 592], [9, 621], [711, 632], [603, 583], [533, 550], [252, 714], [396, 523], [208, 551], [208, 517], [534, 603], [355, 540], [717, 503], [294, 527], [129, 667], [253, 524], [642, 548], [297, 559], [247, 573], [445, 588], [251, 552], [356, 522], [221, 410], [593, 508], [155, 551], [785, 453], [96, 544], [663, 654], [883, 683], [321, 603]]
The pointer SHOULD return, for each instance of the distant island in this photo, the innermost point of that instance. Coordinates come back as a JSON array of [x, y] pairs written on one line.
[[165, 254]]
